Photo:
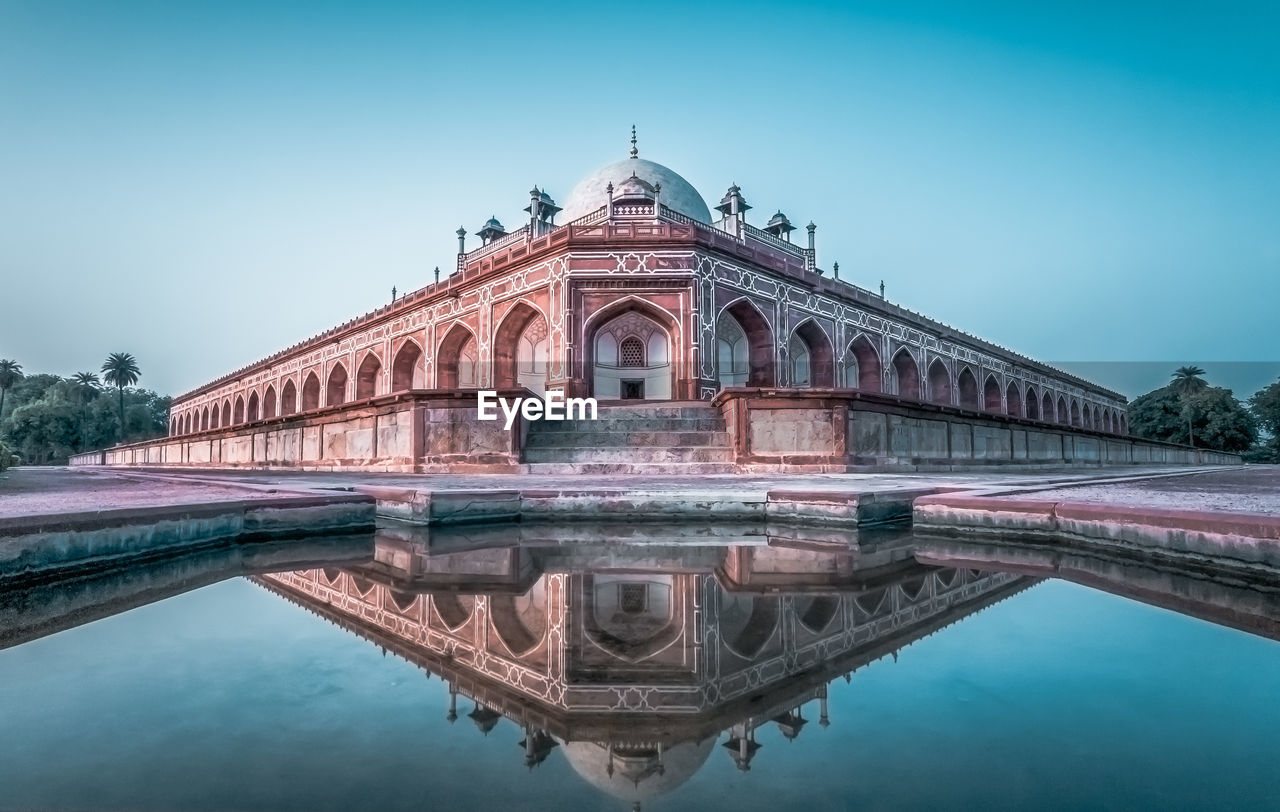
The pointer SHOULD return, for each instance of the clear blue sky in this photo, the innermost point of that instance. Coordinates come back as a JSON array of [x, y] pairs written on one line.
[[204, 185]]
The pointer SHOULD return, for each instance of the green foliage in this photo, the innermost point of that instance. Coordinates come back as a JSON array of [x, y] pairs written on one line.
[[52, 418], [6, 457], [1216, 419], [10, 374], [120, 370], [1266, 407]]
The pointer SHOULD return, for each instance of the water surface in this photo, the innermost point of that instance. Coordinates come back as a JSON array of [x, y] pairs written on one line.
[[597, 676]]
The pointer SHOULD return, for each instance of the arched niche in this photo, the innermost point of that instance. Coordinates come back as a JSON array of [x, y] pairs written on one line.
[[310, 392], [458, 360], [939, 383], [744, 346], [630, 354], [906, 375], [368, 377], [335, 391], [862, 365], [408, 368], [1013, 400], [520, 349], [811, 358]]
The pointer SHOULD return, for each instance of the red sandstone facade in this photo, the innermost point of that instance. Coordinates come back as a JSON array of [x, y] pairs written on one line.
[[635, 300]]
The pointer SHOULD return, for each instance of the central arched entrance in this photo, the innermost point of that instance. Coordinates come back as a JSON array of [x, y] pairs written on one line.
[[631, 352]]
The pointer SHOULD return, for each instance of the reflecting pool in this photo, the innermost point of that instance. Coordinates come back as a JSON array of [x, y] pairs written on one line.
[[666, 667]]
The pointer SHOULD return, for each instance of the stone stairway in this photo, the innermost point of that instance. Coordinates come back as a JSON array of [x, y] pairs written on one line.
[[657, 438]]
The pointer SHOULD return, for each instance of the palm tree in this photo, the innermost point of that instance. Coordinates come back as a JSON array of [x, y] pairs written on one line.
[[10, 373], [121, 370], [86, 389], [1186, 382], [86, 384]]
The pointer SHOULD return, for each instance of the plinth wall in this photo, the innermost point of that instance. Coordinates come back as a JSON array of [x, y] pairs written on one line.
[[415, 431], [811, 430], [845, 429]]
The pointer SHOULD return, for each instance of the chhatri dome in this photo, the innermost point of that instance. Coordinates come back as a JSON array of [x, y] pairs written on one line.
[[676, 193]]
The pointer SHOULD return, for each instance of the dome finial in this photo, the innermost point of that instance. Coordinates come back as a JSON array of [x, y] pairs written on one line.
[[635, 153]]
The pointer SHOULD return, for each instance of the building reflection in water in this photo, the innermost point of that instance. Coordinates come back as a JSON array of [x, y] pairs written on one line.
[[636, 656]]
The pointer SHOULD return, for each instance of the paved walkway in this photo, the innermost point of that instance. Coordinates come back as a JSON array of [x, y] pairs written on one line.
[[704, 483], [52, 491], [1251, 490], [47, 491]]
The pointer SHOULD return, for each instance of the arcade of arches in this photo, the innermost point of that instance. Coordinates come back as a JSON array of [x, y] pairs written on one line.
[[633, 355], [647, 293]]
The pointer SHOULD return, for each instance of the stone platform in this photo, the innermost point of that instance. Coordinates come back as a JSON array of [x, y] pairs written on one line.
[[1224, 521], [743, 430], [55, 523]]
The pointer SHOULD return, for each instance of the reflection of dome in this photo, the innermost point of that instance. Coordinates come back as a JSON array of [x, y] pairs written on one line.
[[635, 777], [677, 193]]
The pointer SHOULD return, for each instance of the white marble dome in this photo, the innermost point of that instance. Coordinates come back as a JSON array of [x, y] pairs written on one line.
[[679, 763], [677, 193]]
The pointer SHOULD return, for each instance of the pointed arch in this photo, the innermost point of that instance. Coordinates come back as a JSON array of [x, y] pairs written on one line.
[[523, 321], [408, 369], [205, 425], [1046, 408], [604, 332], [939, 383], [237, 412], [1124, 425], [269, 402], [1032, 404], [1106, 420], [456, 359], [1013, 400], [1063, 417], [906, 375], [289, 397], [335, 389], [520, 621], [310, 392], [226, 413], [1075, 413], [812, 359], [368, 375], [991, 400], [862, 370], [967, 389], [252, 409], [759, 348]]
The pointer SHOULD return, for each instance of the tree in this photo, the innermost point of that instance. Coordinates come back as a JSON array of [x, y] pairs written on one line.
[[1187, 381], [121, 370], [1266, 407], [87, 384], [1219, 420], [86, 388], [52, 418], [10, 373]]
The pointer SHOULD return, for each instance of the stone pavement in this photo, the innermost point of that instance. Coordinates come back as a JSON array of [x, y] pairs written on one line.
[[861, 499], [47, 491], [702, 483], [1252, 490]]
